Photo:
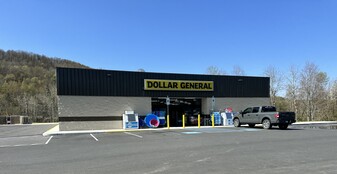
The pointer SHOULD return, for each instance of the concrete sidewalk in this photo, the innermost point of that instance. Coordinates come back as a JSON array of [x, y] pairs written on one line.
[[56, 131]]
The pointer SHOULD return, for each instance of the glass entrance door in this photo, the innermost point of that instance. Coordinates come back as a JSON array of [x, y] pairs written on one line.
[[177, 108]]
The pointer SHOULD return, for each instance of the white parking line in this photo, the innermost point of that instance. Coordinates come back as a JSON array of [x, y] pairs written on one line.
[[49, 139], [9, 138], [191, 133], [21, 145], [93, 137], [133, 134], [203, 160]]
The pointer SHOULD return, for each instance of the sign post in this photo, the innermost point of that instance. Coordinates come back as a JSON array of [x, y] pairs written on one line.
[[213, 103], [167, 110]]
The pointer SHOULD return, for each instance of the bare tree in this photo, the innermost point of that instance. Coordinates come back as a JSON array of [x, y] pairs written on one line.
[[237, 70], [322, 97], [214, 70], [292, 87], [276, 82], [333, 99], [313, 89], [141, 70]]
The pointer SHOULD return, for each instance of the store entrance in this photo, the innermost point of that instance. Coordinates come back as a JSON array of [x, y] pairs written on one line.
[[178, 107]]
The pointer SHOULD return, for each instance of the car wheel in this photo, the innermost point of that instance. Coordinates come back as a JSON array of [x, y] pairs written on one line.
[[251, 125], [283, 126], [236, 122], [266, 124]]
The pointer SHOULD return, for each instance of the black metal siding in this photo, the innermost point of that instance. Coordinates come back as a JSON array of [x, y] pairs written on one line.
[[90, 82]]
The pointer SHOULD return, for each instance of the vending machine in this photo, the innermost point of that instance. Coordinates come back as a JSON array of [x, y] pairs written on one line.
[[130, 120], [227, 118]]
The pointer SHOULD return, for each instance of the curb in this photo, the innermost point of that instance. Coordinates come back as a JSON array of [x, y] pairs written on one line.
[[315, 122], [55, 130]]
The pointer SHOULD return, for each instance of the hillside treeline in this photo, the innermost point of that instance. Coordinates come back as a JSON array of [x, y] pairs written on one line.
[[28, 84], [308, 91]]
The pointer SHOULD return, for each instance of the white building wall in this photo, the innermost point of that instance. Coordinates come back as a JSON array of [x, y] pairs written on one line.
[[91, 106], [102, 106]]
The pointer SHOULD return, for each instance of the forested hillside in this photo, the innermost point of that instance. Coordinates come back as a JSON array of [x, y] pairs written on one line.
[[28, 84]]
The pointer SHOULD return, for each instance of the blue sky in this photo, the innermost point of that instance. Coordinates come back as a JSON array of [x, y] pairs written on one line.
[[181, 36]]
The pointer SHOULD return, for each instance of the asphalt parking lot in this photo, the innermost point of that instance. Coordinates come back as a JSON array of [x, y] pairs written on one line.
[[23, 135], [191, 150]]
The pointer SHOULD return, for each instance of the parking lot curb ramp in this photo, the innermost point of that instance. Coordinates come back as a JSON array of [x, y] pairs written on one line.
[[52, 130]]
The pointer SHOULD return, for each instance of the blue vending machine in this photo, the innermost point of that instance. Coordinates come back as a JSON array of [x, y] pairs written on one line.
[[130, 120], [217, 118]]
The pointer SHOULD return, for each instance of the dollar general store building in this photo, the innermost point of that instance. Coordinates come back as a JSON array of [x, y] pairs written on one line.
[[96, 99]]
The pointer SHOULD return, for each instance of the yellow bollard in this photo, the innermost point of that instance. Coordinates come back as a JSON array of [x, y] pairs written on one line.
[[198, 120], [183, 121], [168, 121], [212, 120]]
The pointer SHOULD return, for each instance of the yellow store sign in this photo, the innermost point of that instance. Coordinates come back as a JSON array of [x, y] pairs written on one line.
[[178, 85]]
